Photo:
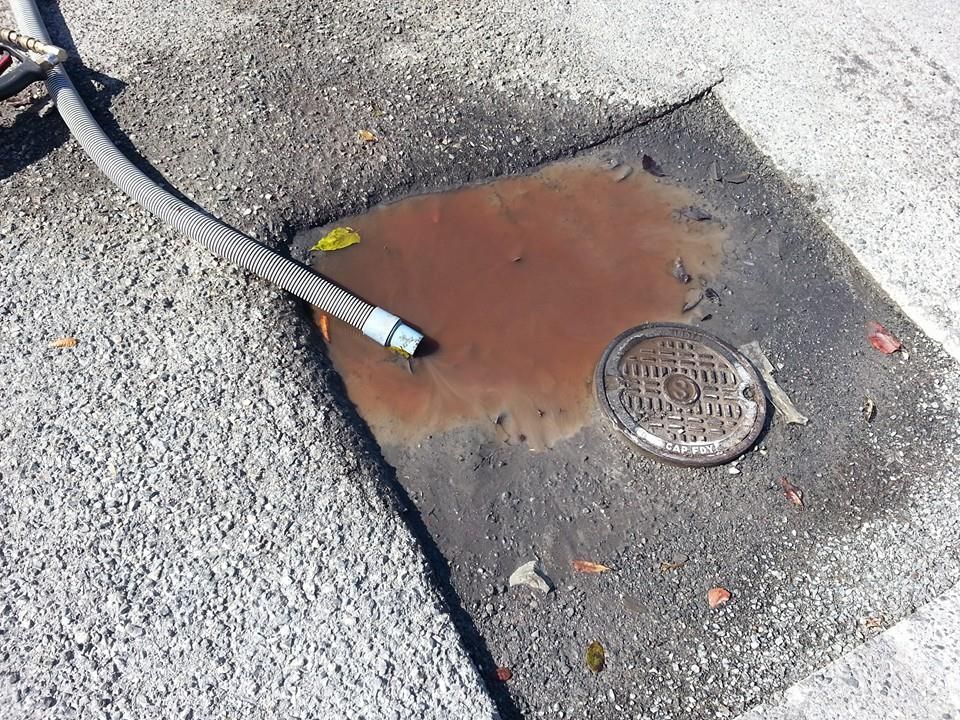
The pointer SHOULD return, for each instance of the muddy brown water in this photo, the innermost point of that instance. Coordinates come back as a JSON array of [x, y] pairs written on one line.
[[519, 284]]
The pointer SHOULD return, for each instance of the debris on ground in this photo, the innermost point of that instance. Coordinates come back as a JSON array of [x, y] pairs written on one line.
[[651, 166], [23, 99], [337, 239], [64, 342], [622, 173], [596, 657], [680, 272], [873, 622], [692, 212], [869, 409], [585, 566], [715, 172], [792, 492], [692, 299], [504, 674], [531, 575], [737, 178], [712, 295], [882, 339], [324, 323], [781, 400], [675, 564], [365, 136], [717, 596]]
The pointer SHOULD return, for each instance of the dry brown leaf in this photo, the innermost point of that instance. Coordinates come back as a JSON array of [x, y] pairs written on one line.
[[325, 327], [365, 136], [717, 596], [504, 674], [667, 566], [873, 623], [792, 492], [585, 566], [882, 339], [64, 342]]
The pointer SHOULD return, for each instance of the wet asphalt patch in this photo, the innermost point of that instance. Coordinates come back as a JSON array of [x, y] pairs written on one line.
[[519, 284], [484, 506]]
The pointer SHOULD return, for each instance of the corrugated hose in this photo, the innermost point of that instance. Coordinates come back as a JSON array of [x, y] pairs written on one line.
[[221, 239]]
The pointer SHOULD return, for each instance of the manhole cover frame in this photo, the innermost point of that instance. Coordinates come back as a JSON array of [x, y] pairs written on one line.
[[751, 396]]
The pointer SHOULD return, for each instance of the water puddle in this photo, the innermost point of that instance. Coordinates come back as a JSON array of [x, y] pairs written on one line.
[[520, 283]]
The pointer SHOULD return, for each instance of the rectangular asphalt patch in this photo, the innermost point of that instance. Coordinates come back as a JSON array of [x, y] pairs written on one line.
[[806, 584]]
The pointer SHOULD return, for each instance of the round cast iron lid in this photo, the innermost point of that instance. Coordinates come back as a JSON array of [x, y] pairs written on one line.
[[680, 394]]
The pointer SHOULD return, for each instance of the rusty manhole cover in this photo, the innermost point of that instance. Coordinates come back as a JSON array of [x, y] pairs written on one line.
[[681, 395]]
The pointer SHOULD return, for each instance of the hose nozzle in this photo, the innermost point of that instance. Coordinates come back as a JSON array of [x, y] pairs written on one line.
[[390, 331]]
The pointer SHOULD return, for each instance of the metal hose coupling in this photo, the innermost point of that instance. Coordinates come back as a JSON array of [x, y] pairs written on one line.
[[390, 331], [50, 53]]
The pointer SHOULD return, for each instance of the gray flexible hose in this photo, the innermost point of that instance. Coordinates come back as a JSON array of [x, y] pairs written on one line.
[[221, 239]]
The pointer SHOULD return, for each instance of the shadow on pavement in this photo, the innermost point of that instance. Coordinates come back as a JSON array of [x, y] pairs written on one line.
[[31, 136], [397, 496]]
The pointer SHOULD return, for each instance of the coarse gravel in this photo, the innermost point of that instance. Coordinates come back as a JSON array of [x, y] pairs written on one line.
[[907, 671], [188, 531]]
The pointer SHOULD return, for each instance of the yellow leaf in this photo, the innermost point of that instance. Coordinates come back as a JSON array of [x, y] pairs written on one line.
[[585, 566], [366, 136], [337, 239], [64, 342], [596, 657]]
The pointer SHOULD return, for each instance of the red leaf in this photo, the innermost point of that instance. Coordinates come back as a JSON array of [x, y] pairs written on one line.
[[717, 597], [882, 339], [793, 493], [504, 674], [325, 327]]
